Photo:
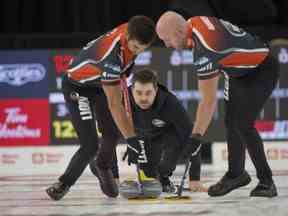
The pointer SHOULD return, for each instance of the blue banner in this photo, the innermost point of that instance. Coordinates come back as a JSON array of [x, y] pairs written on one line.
[[24, 74]]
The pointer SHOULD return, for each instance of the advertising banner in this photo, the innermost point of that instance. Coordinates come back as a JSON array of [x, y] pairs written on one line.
[[24, 122], [23, 74], [35, 75], [276, 154], [47, 160]]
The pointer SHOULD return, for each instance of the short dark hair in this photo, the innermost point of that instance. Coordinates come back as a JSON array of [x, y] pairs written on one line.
[[142, 29], [145, 76]]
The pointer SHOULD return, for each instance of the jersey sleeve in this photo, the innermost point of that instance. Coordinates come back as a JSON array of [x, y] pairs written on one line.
[[207, 70], [111, 70]]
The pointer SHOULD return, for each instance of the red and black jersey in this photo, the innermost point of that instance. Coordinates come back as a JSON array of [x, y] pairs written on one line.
[[102, 60], [220, 46]]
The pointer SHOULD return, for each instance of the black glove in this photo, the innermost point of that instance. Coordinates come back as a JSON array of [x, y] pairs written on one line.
[[193, 146], [136, 150]]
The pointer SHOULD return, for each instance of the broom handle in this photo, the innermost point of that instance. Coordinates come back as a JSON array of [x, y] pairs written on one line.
[[127, 106], [126, 97], [139, 179], [180, 190]]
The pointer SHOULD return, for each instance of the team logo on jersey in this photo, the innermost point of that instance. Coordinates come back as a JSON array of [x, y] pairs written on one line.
[[158, 123], [206, 67], [113, 67], [201, 61], [74, 96]]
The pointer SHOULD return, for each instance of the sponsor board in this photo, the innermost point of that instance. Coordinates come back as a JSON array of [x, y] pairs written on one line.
[[283, 55], [47, 160], [31, 74], [276, 153], [144, 58], [272, 130], [24, 122], [34, 160], [183, 57], [24, 74]]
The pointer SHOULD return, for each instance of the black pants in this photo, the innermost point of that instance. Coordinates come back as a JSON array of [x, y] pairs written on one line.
[[171, 154], [244, 101], [163, 154], [86, 105]]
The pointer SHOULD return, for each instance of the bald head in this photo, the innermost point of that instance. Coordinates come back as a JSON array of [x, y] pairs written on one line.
[[171, 28], [168, 20]]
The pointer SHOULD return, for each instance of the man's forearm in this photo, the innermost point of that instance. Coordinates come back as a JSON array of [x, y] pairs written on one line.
[[203, 117], [206, 106], [117, 109], [123, 122]]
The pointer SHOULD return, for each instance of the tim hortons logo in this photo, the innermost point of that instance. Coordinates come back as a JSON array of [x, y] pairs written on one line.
[[14, 117]]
